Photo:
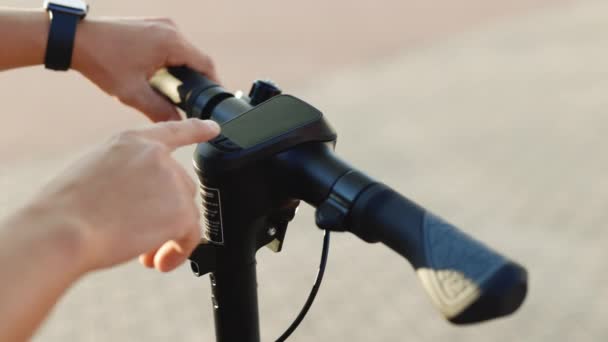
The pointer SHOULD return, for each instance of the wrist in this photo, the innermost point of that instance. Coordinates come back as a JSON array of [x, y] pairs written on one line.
[[65, 17], [40, 24], [26, 43], [51, 237], [85, 34]]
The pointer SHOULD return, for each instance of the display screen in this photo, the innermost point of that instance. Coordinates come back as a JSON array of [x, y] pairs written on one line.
[[280, 115]]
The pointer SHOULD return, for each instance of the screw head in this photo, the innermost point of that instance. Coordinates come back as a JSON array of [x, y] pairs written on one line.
[[272, 231]]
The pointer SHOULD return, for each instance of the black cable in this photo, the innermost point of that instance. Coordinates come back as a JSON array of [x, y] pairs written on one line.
[[313, 291]]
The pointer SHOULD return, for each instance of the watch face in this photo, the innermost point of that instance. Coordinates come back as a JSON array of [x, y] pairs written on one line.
[[72, 6]]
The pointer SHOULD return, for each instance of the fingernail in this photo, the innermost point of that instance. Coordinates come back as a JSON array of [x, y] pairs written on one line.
[[212, 125]]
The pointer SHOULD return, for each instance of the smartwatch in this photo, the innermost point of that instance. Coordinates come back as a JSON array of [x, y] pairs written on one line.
[[64, 16]]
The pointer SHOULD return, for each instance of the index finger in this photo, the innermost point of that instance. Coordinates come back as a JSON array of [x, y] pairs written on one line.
[[176, 134]]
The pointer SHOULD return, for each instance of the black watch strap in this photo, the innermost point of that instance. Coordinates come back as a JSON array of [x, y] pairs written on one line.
[[61, 40]]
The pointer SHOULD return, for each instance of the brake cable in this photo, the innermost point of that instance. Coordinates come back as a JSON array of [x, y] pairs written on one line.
[[313, 292]]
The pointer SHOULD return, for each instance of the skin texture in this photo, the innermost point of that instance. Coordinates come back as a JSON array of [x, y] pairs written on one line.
[[125, 77], [126, 198], [139, 48]]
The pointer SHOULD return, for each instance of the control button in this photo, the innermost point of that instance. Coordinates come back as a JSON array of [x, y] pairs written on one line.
[[217, 139], [219, 142], [230, 145], [263, 90], [225, 144]]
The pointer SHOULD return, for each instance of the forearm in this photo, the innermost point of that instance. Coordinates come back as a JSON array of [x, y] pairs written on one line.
[[39, 260], [23, 37]]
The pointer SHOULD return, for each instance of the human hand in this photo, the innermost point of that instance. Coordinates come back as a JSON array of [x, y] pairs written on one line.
[[121, 55], [130, 197]]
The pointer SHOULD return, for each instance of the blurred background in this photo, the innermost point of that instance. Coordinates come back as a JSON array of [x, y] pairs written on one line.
[[490, 113]]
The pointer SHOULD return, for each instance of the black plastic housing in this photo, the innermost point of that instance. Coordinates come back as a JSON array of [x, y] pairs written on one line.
[[466, 280]]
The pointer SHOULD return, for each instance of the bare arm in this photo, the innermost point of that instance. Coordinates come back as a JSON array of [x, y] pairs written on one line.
[[119, 55], [39, 259], [23, 38], [128, 197]]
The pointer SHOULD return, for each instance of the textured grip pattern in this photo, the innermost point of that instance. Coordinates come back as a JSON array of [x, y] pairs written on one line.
[[457, 266], [467, 281]]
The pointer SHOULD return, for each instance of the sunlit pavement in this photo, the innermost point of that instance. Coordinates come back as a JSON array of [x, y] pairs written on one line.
[[499, 128]]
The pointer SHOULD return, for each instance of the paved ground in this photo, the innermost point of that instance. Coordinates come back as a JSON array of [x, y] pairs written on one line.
[[498, 128]]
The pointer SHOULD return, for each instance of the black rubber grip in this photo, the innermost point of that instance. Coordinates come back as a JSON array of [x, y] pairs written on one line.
[[466, 280]]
